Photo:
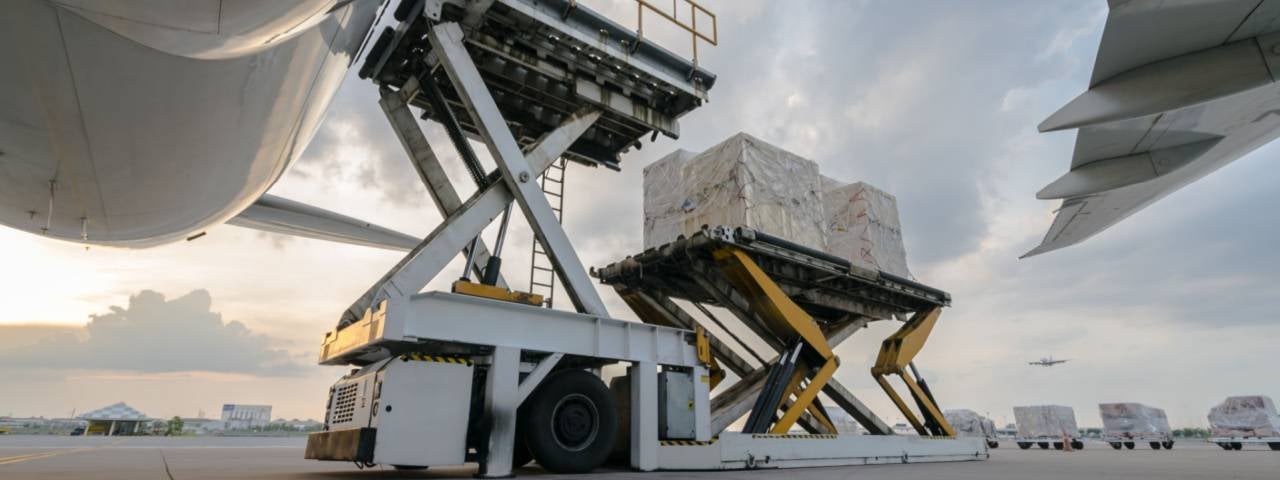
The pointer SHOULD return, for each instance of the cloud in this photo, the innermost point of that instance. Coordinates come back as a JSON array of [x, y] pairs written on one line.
[[153, 334]]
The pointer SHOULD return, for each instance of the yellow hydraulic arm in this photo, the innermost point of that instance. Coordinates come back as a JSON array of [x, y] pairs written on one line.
[[802, 369], [896, 354]]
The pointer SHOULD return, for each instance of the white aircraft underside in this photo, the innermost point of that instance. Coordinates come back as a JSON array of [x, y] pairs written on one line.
[[144, 122], [1180, 88]]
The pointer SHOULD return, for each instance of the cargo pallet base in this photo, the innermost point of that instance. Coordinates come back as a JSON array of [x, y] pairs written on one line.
[[1045, 442], [1238, 443], [1156, 441]]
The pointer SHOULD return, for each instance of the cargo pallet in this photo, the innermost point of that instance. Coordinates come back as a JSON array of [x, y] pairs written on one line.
[[487, 375], [1238, 443]]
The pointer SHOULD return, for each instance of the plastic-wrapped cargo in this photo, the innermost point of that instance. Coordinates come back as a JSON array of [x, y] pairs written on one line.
[[1133, 420], [969, 423], [743, 181], [1245, 416], [1051, 421], [862, 225]]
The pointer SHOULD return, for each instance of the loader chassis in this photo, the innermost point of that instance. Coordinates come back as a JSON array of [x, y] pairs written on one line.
[[497, 377]]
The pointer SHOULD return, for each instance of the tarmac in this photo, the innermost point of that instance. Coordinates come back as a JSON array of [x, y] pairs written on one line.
[[189, 458]]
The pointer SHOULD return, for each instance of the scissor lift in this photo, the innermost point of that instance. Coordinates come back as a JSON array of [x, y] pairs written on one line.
[[800, 302], [537, 81]]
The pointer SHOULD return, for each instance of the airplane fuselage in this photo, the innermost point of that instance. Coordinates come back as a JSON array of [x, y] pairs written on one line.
[[134, 124]]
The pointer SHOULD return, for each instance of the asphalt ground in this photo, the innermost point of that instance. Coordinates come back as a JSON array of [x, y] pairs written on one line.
[[189, 458]]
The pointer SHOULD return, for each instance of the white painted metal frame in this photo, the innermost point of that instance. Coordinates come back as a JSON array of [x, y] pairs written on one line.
[[516, 169], [733, 451], [450, 317], [395, 105], [455, 233]]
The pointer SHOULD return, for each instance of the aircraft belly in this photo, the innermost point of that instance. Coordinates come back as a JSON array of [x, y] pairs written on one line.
[[145, 147]]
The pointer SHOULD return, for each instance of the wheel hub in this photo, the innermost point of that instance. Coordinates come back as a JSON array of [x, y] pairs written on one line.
[[575, 422]]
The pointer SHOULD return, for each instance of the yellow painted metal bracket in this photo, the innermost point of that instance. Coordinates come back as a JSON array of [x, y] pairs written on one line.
[[496, 293], [786, 320], [896, 354], [355, 335]]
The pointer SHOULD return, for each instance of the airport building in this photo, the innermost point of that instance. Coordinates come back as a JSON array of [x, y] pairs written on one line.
[[115, 419], [245, 417]]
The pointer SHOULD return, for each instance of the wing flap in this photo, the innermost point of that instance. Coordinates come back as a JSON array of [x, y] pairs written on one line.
[[1140, 32]]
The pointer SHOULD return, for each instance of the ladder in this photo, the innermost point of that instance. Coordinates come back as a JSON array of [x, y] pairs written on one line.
[[542, 274]]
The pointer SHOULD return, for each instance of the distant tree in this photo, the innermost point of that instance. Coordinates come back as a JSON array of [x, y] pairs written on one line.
[[175, 426]]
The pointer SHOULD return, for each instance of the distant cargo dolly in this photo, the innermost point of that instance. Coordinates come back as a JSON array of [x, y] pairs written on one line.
[[1238, 443], [497, 377]]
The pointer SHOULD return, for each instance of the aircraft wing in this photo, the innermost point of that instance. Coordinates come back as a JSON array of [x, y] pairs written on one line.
[[1179, 89], [281, 215]]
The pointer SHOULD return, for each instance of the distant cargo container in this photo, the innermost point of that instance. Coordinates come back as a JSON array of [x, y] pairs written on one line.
[[1126, 424], [1045, 425], [1245, 419], [969, 423]]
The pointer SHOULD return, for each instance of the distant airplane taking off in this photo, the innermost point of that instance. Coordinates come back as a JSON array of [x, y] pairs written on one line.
[[1048, 362], [1179, 89]]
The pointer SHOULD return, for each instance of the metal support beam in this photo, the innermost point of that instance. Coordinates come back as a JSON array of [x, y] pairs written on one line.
[[516, 169], [424, 262], [395, 105], [644, 415], [535, 377], [500, 404]]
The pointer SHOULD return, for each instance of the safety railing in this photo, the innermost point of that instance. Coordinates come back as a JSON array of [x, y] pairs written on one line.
[[690, 26]]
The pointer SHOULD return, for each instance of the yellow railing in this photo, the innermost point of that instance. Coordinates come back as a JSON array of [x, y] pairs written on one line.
[[673, 16]]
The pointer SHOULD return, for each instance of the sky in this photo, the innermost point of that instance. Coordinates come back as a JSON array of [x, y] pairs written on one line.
[[935, 102]]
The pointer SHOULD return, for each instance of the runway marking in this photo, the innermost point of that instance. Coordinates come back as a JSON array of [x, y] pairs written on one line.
[[40, 455]]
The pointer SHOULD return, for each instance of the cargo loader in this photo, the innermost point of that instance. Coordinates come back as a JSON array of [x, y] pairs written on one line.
[[483, 374]]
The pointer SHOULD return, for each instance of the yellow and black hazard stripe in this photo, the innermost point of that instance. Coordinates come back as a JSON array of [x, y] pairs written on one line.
[[421, 357], [800, 436], [687, 443]]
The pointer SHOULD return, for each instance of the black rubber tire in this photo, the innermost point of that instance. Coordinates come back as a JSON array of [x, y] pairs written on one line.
[[1167, 445], [1116, 445], [1043, 445], [1057, 445], [408, 467], [1274, 445], [993, 444], [402, 10], [1077, 445], [1129, 445], [1237, 446], [375, 53], [571, 422], [1024, 445], [1225, 446], [1155, 445]]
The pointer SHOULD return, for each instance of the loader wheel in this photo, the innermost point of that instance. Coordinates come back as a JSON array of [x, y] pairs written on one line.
[[1237, 446], [1077, 445], [1116, 445], [1225, 446], [1274, 445], [1167, 445], [1024, 445], [571, 422], [1057, 445], [1043, 445], [993, 444], [1129, 445]]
